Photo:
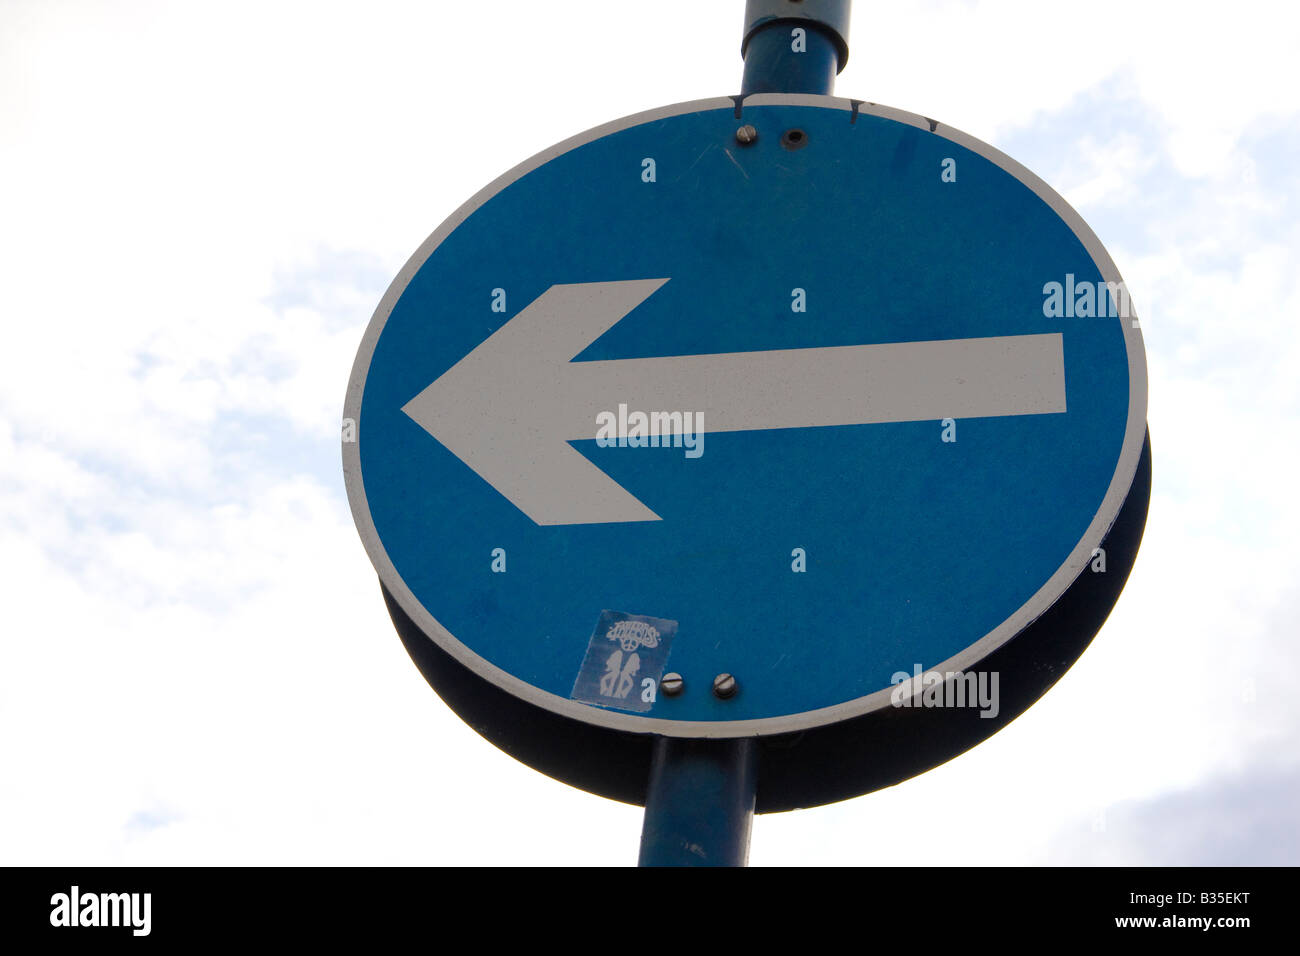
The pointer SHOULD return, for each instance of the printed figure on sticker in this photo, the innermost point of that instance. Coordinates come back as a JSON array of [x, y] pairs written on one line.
[[625, 675]]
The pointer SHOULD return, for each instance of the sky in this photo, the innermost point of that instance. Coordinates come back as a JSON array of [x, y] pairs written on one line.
[[201, 204]]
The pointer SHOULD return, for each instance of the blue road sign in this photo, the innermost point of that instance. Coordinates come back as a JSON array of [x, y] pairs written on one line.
[[858, 397]]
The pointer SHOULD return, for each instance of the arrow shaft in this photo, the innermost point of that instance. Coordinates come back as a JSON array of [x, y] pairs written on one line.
[[803, 388]]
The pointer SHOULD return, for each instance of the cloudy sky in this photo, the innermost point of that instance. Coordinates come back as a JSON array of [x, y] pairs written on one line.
[[202, 203]]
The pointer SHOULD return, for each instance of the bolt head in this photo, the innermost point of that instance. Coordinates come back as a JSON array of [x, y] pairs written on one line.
[[746, 135], [724, 686], [671, 684]]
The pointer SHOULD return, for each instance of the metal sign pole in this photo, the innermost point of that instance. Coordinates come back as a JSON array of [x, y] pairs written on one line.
[[700, 797], [794, 46], [699, 802]]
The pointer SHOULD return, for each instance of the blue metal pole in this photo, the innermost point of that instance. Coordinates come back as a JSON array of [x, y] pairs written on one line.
[[700, 799], [700, 802], [794, 46]]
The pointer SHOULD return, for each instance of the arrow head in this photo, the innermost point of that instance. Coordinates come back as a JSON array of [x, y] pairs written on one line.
[[506, 409]]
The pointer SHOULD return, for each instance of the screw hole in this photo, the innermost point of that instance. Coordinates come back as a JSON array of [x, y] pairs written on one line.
[[794, 139]]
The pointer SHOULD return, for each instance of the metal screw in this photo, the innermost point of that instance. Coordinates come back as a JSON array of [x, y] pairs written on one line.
[[671, 684], [724, 686], [746, 135]]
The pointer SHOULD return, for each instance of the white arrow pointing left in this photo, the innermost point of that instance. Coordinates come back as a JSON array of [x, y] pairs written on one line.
[[510, 408]]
